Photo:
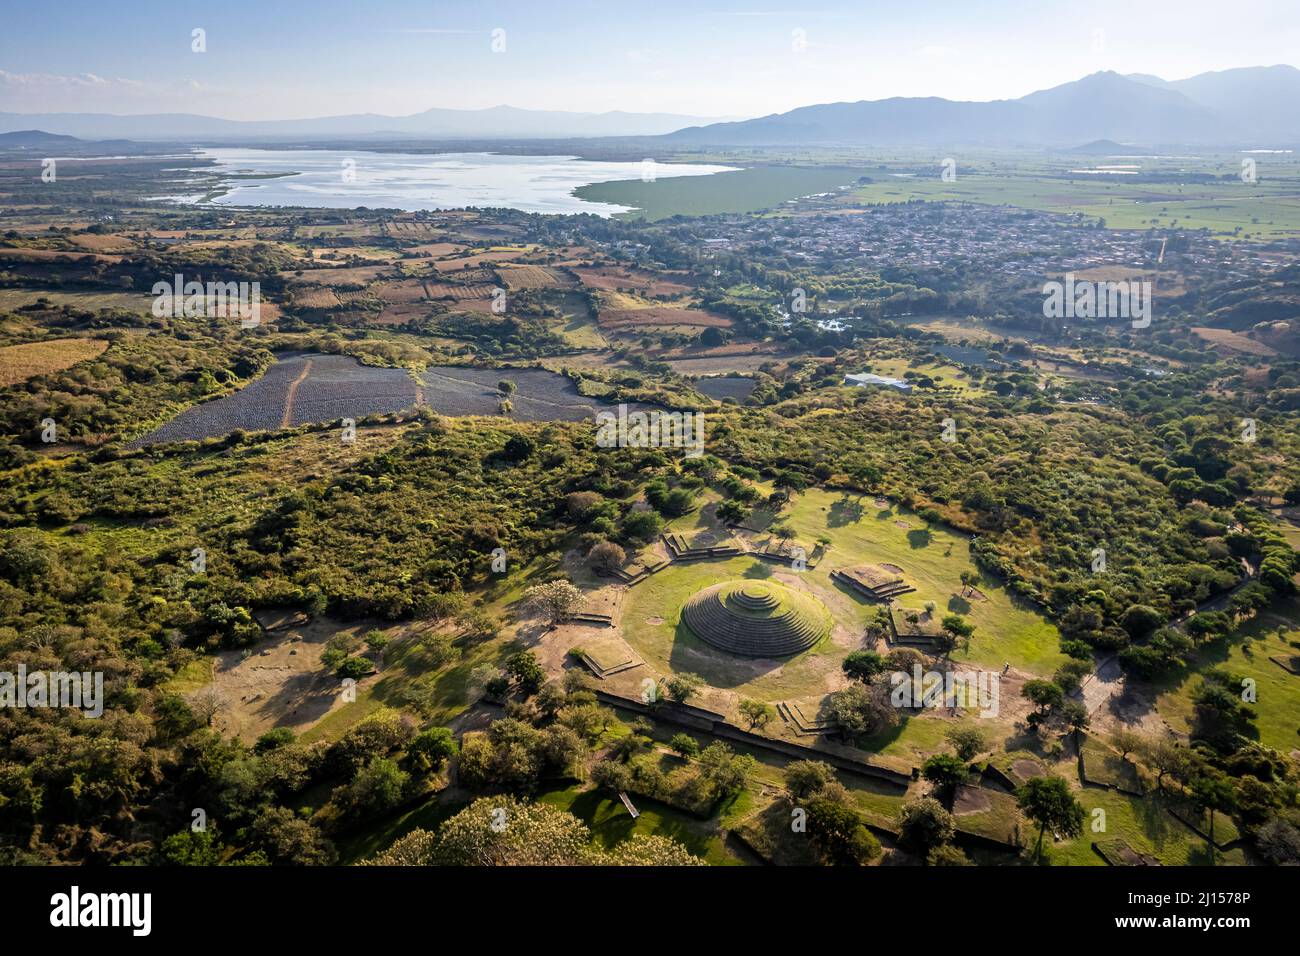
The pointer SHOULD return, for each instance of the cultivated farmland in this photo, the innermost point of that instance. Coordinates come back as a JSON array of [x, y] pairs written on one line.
[[18, 363]]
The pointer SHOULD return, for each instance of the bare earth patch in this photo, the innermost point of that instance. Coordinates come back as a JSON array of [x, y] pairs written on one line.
[[280, 684]]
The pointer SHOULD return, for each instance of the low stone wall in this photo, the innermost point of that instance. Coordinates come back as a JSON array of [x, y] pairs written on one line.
[[713, 723]]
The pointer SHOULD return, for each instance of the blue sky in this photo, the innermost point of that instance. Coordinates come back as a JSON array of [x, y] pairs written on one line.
[[290, 58]]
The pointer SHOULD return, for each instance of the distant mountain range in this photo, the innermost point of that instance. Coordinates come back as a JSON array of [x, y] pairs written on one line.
[[1255, 106], [1249, 107], [498, 122]]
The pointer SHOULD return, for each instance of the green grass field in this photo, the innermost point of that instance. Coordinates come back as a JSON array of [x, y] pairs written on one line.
[[932, 559], [1142, 822], [746, 190], [651, 625], [1247, 653], [1267, 209], [611, 824]]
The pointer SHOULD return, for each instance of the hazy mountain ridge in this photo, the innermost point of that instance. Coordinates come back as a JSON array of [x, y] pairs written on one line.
[[504, 122], [1256, 105]]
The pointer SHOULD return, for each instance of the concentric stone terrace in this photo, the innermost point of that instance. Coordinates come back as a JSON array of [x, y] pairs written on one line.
[[756, 618]]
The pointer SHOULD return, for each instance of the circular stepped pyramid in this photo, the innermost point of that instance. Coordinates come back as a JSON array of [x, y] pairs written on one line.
[[756, 618]]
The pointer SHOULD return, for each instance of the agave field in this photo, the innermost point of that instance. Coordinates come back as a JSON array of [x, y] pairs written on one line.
[[539, 395], [301, 388]]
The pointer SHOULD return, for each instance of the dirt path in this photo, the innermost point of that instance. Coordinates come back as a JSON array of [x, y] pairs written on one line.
[[293, 393]]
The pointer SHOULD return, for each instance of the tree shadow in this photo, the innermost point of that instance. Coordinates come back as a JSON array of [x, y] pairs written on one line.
[[845, 511], [718, 668], [920, 538], [959, 605]]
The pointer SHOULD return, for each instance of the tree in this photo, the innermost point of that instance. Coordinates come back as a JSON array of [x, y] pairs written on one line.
[[925, 824], [681, 687], [192, 848], [956, 627], [272, 739], [1139, 620], [864, 666], [1125, 741], [861, 710], [1044, 693], [725, 771], [967, 741], [684, 744], [1212, 792], [945, 772], [1166, 757], [1074, 714], [804, 778], [588, 720], [1048, 802], [290, 840], [432, 748], [611, 775], [756, 713], [523, 667], [354, 667], [642, 525], [606, 556], [376, 789], [206, 703], [947, 855], [968, 581], [1069, 676], [839, 835], [556, 599], [503, 831], [518, 448], [1279, 843], [1220, 716]]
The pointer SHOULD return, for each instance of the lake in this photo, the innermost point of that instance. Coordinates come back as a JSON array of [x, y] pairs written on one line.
[[345, 179]]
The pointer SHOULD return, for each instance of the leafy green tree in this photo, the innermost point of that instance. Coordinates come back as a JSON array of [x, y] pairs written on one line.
[[945, 771], [191, 848], [804, 778], [1043, 693], [525, 670], [724, 771], [611, 775], [924, 824], [967, 741], [864, 666], [839, 835], [1048, 802], [1212, 792], [861, 710], [682, 686], [947, 855], [378, 788], [354, 667], [685, 744], [289, 840], [756, 713], [432, 748]]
